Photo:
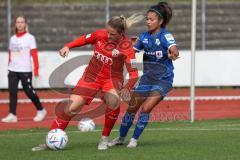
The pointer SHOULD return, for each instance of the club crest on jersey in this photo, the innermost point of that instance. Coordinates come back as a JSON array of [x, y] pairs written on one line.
[[157, 42], [159, 54], [115, 52]]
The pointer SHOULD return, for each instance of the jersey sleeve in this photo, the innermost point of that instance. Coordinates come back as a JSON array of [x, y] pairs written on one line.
[[9, 50], [133, 71], [9, 43], [139, 45], [34, 54], [9, 56], [33, 44], [83, 40], [168, 40]]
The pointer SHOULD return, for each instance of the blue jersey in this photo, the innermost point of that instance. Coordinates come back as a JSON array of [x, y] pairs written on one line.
[[156, 63]]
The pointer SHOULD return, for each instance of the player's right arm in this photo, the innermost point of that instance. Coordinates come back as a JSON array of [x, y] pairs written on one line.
[[138, 45], [9, 51], [80, 41]]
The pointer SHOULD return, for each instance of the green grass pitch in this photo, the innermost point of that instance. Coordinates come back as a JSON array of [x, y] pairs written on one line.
[[202, 140]]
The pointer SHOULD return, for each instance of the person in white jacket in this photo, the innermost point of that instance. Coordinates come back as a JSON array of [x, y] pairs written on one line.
[[22, 47]]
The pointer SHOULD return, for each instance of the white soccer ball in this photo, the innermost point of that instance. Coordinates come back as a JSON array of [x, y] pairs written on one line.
[[56, 139], [86, 125]]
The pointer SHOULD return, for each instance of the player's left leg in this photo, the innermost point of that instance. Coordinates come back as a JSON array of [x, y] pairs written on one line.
[[112, 101], [144, 116], [26, 80]]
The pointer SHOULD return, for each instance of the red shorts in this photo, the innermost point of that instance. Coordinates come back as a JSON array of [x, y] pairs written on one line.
[[88, 90]]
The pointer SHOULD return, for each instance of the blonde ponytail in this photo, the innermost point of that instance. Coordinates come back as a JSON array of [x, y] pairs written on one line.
[[133, 19], [122, 24]]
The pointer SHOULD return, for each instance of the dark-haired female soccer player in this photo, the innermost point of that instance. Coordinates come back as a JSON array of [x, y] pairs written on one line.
[[159, 50]]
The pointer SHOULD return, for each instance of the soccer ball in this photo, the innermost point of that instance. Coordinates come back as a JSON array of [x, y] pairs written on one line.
[[86, 125], [56, 139]]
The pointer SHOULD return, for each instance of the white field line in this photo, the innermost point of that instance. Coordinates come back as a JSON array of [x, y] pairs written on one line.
[[229, 125], [147, 130], [172, 98]]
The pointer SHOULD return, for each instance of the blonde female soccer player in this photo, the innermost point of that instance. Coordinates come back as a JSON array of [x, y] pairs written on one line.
[[22, 48], [112, 50]]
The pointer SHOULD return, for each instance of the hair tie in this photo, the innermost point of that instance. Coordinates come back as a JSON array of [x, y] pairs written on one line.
[[152, 9]]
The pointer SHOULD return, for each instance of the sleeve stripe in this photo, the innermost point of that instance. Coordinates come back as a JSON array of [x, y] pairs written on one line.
[[171, 45], [136, 49]]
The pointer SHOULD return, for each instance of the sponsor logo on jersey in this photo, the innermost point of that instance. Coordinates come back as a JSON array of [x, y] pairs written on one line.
[[150, 53], [103, 58], [159, 54], [17, 47]]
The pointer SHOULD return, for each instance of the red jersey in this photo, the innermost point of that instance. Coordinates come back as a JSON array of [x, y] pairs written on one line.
[[108, 58]]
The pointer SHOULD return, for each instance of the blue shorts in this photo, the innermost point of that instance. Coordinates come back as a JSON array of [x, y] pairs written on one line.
[[147, 85]]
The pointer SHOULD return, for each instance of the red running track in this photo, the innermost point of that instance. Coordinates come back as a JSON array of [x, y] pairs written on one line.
[[165, 111]]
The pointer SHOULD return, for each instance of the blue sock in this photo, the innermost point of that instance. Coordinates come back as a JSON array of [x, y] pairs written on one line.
[[127, 122], [141, 124]]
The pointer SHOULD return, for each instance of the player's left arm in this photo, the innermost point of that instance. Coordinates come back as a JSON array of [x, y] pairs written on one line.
[[173, 53], [169, 43], [34, 54]]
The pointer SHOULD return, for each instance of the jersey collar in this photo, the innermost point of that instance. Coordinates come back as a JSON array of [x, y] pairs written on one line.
[[158, 33], [20, 34]]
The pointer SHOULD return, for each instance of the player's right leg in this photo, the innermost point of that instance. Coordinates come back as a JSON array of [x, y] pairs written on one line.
[[112, 101], [65, 111], [13, 80], [128, 118], [83, 94], [144, 116]]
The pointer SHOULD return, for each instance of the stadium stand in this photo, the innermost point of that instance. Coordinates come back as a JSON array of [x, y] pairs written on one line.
[[56, 24]]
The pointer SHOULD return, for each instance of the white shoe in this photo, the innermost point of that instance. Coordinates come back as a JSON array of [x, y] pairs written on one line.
[[116, 141], [103, 143], [132, 143], [40, 147], [10, 118], [40, 115]]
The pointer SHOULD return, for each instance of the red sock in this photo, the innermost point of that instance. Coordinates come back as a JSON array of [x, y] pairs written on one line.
[[111, 116], [63, 118], [61, 121]]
